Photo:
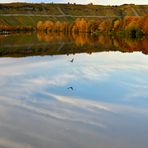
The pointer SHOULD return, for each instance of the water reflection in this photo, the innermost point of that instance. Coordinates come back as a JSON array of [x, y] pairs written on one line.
[[58, 43], [107, 107]]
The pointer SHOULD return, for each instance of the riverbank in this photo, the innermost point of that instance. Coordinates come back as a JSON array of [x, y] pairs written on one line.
[[28, 14]]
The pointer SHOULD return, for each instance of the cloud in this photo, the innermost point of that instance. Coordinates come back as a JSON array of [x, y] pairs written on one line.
[[57, 80], [79, 102], [132, 93], [59, 111]]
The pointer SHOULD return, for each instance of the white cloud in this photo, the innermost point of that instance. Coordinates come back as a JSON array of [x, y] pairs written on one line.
[[58, 80]]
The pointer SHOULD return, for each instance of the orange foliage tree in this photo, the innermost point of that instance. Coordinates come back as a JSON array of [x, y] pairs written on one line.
[[105, 26], [130, 25]]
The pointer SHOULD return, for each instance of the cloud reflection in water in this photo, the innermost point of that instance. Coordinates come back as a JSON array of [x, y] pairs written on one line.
[[105, 108]]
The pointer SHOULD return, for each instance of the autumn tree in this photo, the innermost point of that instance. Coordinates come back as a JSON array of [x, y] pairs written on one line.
[[117, 25], [133, 26], [105, 26], [80, 25], [48, 25], [93, 26]]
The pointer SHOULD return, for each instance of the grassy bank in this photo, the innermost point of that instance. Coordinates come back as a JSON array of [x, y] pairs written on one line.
[[29, 14]]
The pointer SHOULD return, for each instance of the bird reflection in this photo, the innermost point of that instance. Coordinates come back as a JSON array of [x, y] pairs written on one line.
[[70, 88], [72, 60]]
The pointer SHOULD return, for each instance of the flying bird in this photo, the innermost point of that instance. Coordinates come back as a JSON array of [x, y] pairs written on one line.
[[72, 60], [70, 88]]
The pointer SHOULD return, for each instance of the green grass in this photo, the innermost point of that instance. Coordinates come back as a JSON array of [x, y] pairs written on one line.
[[68, 9], [27, 20]]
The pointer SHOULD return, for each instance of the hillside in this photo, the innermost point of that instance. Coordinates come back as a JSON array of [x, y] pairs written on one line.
[[29, 14]]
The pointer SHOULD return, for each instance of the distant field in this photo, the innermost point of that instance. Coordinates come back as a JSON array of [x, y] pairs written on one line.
[[29, 14]]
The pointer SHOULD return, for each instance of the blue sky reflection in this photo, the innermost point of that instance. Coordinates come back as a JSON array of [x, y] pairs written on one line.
[[109, 94]]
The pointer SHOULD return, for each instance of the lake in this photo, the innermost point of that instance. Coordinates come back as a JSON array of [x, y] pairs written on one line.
[[73, 91]]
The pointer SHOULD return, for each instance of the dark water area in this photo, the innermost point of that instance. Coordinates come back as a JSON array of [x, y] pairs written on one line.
[[85, 92]]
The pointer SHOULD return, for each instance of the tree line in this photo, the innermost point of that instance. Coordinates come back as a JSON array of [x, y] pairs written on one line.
[[133, 26], [130, 26]]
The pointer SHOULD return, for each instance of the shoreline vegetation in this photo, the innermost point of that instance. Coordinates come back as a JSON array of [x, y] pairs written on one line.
[[127, 20], [129, 26]]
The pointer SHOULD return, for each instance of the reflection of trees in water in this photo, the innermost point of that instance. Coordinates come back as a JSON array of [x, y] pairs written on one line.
[[145, 46], [47, 37], [127, 45], [2, 37], [82, 39], [59, 43]]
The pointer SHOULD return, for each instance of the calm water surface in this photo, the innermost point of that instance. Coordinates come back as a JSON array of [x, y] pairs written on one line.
[[97, 100]]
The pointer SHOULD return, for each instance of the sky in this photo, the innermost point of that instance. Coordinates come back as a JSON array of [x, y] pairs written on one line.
[[100, 2]]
